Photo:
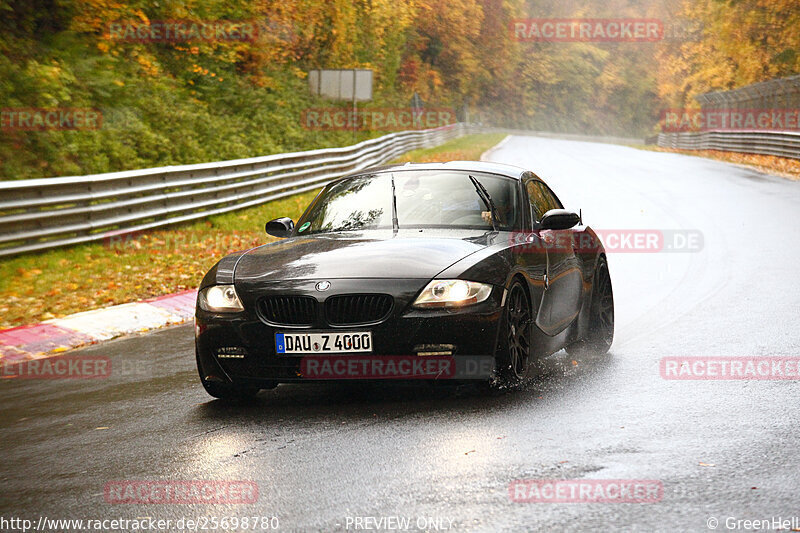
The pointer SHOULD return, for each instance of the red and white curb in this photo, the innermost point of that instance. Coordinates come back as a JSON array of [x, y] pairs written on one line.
[[61, 334]]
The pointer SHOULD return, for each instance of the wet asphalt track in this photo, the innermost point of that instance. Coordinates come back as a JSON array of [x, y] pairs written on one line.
[[321, 454]]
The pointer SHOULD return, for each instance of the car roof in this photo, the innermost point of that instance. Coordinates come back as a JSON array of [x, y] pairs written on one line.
[[502, 169]]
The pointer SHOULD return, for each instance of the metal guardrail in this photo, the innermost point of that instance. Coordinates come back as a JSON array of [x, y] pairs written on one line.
[[778, 143], [39, 214]]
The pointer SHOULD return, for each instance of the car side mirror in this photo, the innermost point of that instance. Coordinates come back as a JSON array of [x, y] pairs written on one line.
[[280, 227], [560, 219]]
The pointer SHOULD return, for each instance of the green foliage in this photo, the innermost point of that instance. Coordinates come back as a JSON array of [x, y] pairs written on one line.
[[169, 103], [739, 43]]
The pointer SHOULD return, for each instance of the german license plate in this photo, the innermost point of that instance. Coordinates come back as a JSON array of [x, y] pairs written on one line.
[[322, 343]]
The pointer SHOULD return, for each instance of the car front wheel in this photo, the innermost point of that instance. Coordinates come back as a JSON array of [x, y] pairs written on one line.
[[516, 336], [600, 334], [225, 391]]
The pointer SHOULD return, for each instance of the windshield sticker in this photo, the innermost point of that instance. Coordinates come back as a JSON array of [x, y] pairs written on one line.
[[304, 227]]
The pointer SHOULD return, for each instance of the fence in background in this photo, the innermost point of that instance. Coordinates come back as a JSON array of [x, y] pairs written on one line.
[[783, 93]]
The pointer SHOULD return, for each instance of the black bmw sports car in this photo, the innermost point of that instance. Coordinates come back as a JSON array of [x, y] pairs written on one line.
[[408, 272]]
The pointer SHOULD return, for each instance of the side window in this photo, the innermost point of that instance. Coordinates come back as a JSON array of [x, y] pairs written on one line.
[[550, 199], [537, 199]]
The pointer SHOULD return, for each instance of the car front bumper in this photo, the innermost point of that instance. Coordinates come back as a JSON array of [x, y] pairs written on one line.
[[241, 347]]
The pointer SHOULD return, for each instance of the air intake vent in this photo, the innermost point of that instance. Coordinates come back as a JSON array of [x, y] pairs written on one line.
[[357, 308], [289, 310]]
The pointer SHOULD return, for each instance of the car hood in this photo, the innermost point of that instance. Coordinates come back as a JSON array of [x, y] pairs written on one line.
[[410, 254]]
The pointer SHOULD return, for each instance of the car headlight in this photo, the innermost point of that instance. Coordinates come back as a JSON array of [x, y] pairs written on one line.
[[452, 293], [220, 299]]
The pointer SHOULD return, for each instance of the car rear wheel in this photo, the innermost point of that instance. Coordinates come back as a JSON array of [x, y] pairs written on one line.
[[516, 335], [601, 316]]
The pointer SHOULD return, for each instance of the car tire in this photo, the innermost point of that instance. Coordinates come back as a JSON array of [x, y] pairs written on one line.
[[600, 334], [515, 338], [225, 391], [230, 392]]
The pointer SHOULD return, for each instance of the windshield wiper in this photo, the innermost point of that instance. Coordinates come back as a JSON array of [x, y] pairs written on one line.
[[484, 194], [395, 223]]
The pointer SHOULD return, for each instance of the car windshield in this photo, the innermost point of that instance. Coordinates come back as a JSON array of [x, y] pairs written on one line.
[[424, 199]]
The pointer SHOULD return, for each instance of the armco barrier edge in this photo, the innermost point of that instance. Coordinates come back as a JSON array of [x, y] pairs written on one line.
[[39, 214], [777, 143]]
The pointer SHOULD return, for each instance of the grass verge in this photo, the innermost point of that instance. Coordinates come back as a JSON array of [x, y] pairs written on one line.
[[60, 282]]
